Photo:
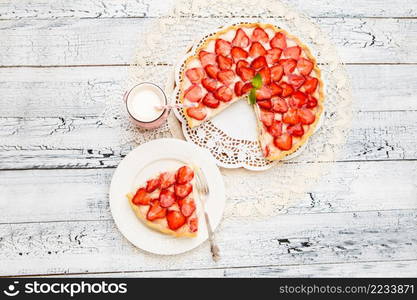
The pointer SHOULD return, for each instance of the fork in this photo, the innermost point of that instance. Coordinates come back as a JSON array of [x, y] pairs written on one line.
[[204, 193]]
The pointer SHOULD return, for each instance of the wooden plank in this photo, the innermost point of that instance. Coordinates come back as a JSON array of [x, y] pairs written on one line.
[[113, 41], [83, 194], [96, 246], [40, 9]]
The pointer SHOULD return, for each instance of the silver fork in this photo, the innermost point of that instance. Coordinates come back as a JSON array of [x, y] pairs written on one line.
[[204, 193]]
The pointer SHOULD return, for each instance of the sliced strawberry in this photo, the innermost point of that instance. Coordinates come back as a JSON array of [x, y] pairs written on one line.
[[259, 35], [296, 130], [242, 63], [306, 116], [152, 185], [193, 223], [241, 39], [267, 118], [263, 93], [209, 84], [291, 117], [257, 50], [187, 206], [266, 151], [226, 76], [265, 104], [238, 88], [279, 105], [310, 85], [298, 99], [183, 190], [210, 101], [212, 71], [289, 65], [207, 58], [156, 211], [198, 113], [275, 89], [246, 88], [225, 63], [246, 73], [287, 89], [141, 197], [276, 72], [194, 93], [166, 179], [224, 94], [265, 73], [296, 80], [275, 129], [304, 66], [279, 41], [283, 142], [292, 52], [259, 62], [195, 74], [272, 55], [175, 219], [238, 53], [312, 102], [222, 47], [184, 174], [166, 198]]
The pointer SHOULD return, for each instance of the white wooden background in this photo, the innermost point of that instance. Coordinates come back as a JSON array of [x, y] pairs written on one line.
[[60, 59]]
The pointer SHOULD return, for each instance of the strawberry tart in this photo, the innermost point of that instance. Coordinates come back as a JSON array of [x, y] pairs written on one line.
[[288, 101], [166, 203]]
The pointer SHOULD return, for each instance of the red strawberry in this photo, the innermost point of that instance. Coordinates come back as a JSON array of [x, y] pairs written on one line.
[[225, 63], [184, 174], [246, 73], [194, 93], [306, 116], [210, 101], [288, 65], [209, 84], [279, 105], [279, 41], [265, 104], [298, 99], [296, 130], [175, 219], [259, 35], [276, 72], [292, 52], [193, 223], [265, 73], [257, 50], [187, 206], [195, 74], [224, 94], [238, 88], [226, 76], [272, 55], [222, 47], [152, 185], [296, 80], [141, 197], [275, 89], [166, 198], [312, 102], [304, 66], [263, 93], [266, 151], [246, 88], [166, 179], [197, 113], [275, 129], [291, 117], [156, 211], [241, 39], [241, 63], [283, 142], [310, 85], [267, 118], [259, 62], [212, 71], [287, 89], [238, 53], [207, 58], [183, 190]]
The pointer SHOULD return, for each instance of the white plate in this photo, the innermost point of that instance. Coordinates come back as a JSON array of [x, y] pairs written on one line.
[[144, 162]]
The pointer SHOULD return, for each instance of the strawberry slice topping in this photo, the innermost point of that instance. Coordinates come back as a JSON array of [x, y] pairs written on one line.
[[224, 94], [291, 117], [222, 47], [195, 74], [298, 99], [175, 219], [296, 80], [257, 50], [267, 118], [241, 63], [283, 142], [238, 53], [273, 55], [263, 93], [296, 130], [289, 65], [225, 63], [183, 190], [292, 52], [275, 89], [259, 35], [238, 88], [241, 39], [226, 76], [187, 206], [212, 71], [310, 85], [156, 211], [207, 58], [304, 66], [312, 102], [184, 174], [197, 113], [166, 179], [265, 104], [287, 89], [259, 62], [306, 116], [276, 72], [246, 88], [141, 197], [265, 73], [209, 84], [245, 73], [166, 198], [194, 93], [152, 185], [275, 129], [193, 223], [279, 41], [279, 105], [210, 101]]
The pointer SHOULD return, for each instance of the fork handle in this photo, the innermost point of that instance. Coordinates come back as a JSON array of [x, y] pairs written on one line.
[[215, 251]]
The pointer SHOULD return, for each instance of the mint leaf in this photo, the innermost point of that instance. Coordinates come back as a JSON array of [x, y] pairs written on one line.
[[252, 96], [257, 81]]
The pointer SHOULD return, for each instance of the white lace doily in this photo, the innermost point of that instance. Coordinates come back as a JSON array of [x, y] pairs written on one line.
[[165, 41]]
